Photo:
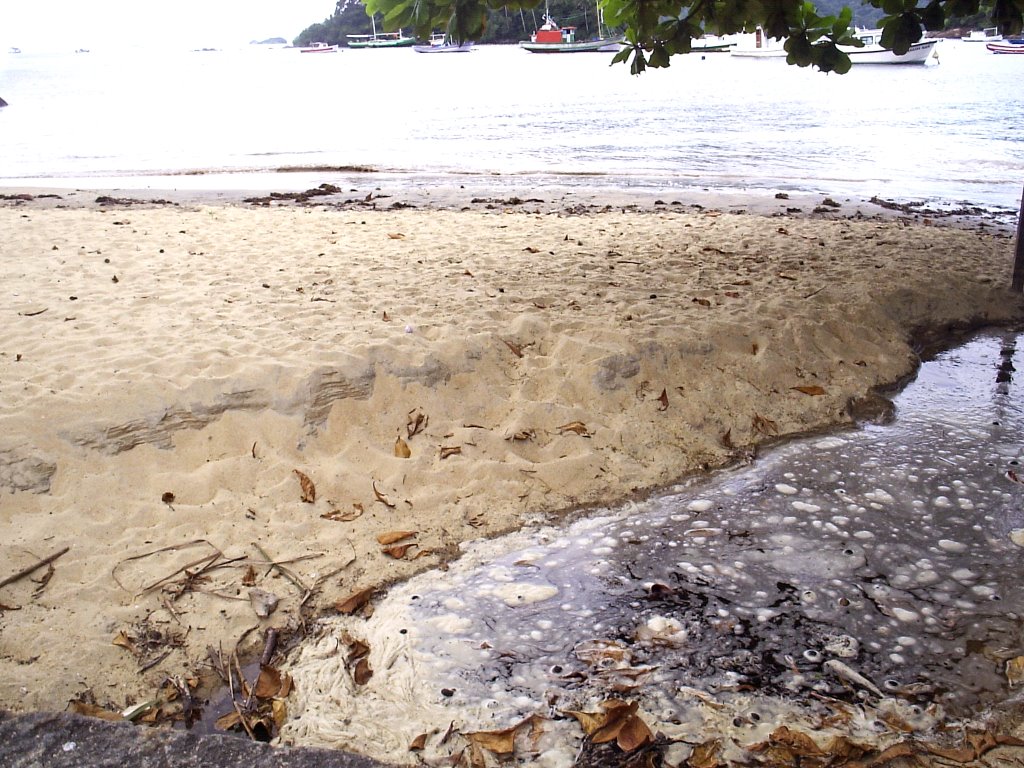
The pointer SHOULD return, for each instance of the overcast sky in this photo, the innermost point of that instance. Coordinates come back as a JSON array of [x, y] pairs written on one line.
[[64, 24]]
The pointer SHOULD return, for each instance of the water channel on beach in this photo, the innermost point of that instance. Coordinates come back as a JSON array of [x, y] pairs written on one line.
[[862, 585]]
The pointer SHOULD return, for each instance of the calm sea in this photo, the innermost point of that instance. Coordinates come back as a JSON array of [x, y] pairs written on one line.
[[947, 134]]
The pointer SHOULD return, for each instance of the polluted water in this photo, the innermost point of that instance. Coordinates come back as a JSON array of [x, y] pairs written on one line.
[[840, 596]]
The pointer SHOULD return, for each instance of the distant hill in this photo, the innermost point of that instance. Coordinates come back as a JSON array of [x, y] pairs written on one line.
[[269, 41]]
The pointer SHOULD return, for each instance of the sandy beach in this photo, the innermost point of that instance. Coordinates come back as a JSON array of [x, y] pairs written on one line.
[[211, 406]]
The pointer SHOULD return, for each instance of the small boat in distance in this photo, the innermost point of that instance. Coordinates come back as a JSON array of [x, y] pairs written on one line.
[[439, 43], [319, 48], [552, 38], [380, 39], [873, 53], [987, 35], [1010, 46]]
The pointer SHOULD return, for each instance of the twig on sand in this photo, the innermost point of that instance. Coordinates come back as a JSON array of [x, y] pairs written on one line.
[[30, 569]]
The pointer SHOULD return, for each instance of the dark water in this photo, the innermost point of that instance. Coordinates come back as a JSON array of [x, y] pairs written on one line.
[[877, 568]]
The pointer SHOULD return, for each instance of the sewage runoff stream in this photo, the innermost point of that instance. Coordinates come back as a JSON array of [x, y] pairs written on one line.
[[866, 584]]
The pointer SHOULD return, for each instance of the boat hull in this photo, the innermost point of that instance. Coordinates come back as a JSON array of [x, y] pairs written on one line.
[[1006, 47], [587, 46], [446, 48], [919, 53]]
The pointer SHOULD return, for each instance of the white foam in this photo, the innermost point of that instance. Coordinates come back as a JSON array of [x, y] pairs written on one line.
[[700, 505], [786, 489]]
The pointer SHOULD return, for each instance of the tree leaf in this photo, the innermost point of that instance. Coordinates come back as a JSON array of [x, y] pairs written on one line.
[[450, 450], [634, 734], [362, 672], [268, 684], [398, 551], [498, 742], [308, 489], [381, 497], [577, 427], [418, 743], [663, 399], [402, 449]]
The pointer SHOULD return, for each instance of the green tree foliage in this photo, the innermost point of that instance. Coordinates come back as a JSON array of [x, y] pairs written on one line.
[[655, 30]]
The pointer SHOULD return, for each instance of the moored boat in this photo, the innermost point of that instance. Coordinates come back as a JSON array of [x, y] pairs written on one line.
[[552, 38], [319, 48], [439, 43], [872, 51], [380, 39], [987, 35], [1009, 46]]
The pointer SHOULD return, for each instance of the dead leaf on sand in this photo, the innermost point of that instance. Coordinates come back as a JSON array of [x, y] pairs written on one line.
[[663, 400], [1015, 670], [531, 249], [396, 236], [381, 497], [402, 450], [578, 427], [415, 423], [344, 517], [450, 450], [810, 389], [618, 722], [418, 743], [394, 536], [398, 551], [94, 710], [308, 489], [763, 425], [355, 601]]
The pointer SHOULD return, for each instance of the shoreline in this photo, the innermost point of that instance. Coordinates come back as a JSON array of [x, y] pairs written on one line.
[[173, 366]]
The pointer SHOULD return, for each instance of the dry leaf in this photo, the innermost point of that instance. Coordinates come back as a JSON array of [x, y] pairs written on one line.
[[398, 551], [418, 743], [498, 742], [516, 349], [355, 601], [362, 673], [575, 426], [249, 578], [396, 235], [402, 449], [227, 721], [308, 489], [1015, 670], [344, 517], [706, 755], [663, 399], [279, 711], [167, 497], [92, 710], [450, 450], [121, 639], [702, 302], [764, 426], [634, 734], [523, 434], [392, 536], [416, 423], [381, 497], [268, 684], [727, 439], [810, 390], [531, 249]]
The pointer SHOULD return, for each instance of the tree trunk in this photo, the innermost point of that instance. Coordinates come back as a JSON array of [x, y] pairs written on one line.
[[1017, 282]]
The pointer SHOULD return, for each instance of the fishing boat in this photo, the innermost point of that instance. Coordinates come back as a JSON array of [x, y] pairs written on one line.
[[759, 45], [381, 39], [552, 38], [1015, 45], [439, 43], [319, 48], [711, 44], [872, 51], [987, 35]]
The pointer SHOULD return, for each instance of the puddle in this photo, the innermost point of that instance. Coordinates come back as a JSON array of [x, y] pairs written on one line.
[[864, 586]]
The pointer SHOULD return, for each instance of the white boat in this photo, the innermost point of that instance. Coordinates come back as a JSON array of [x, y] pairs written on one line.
[[552, 38], [872, 52], [319, 48], [987, 35], [439, 43], [380, 39], [1010, 46], [759, 45]]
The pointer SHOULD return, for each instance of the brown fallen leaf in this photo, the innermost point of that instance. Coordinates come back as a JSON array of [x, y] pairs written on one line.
[[764, 426], [381, 497], [122, 640], [396, 236], [450, 450], [663, 399], [268, 683], [523, 434], [498, 742], [402, 449], [531, 249], [516, 349], [279, 711], [575, 426], [810, 389], [1015, 670], [398, 551], [418, 743], [362, 672], [702, 302], [727, 439], [707, 755], [355, 601], [392, 536], [385, 317], [167, 497], [94, 710], [416, 423], [249, 577], [344, 517], [308, 489], [227, 721]]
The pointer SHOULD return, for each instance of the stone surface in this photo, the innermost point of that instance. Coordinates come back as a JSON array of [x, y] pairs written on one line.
[[62, 740]]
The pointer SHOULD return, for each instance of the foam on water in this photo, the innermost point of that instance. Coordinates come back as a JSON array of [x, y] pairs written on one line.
[[878, 570]]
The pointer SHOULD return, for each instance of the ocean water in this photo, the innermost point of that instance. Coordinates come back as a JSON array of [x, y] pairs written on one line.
[[946, 134]]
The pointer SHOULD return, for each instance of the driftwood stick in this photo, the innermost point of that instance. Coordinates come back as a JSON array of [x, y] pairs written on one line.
[[26, 571]]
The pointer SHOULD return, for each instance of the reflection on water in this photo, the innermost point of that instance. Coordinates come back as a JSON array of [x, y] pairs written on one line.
[[876, 569]]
